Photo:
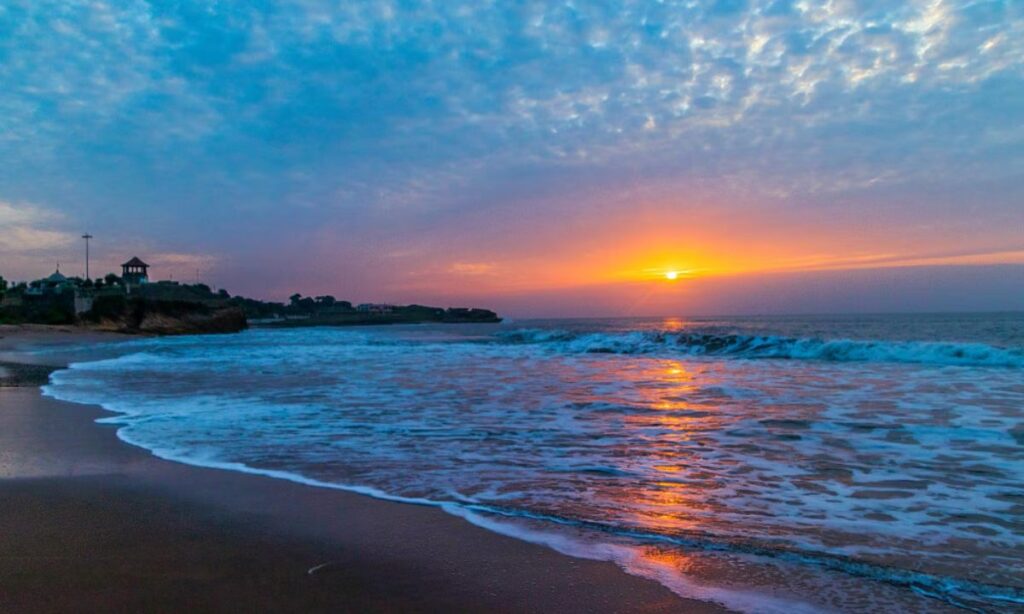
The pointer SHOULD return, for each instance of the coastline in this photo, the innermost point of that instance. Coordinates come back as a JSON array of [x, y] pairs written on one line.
[[119, 529]]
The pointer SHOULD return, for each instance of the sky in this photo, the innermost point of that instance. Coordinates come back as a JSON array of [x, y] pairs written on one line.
[[540, 158]]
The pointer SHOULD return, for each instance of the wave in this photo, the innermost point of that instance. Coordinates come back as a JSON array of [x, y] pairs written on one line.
[[487, 517], [962, 593], [771, 346]]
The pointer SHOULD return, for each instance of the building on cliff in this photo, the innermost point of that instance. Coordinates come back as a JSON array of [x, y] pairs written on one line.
[[375, 308], [56, 282], [135, 272]]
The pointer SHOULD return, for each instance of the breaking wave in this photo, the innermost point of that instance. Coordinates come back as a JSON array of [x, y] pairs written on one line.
[[771, 346]]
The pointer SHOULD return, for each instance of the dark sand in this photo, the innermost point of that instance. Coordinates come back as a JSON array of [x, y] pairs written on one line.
[[88, 523], [19, 366]]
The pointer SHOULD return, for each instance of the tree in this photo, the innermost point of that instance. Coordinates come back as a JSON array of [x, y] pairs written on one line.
[[111, 279], [294, 299], [326, 301], [222, 293], [3, 283]]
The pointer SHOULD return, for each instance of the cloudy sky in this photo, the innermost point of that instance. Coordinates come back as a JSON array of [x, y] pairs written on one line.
[[539, 157]]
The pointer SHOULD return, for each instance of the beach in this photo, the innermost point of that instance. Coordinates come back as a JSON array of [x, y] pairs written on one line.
[[89, 523], [771, 465]]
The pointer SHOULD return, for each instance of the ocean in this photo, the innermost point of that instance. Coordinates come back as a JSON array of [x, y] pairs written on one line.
[[772, 464]]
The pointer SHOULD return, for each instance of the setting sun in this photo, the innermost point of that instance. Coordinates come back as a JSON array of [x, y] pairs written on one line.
[[672, 275]]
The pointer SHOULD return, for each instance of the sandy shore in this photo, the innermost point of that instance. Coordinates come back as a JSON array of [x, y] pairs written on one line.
[[88, 523], [20, 337], [24, 350]]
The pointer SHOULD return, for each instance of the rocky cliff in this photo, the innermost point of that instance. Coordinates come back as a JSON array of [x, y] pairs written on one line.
[[164, 317]]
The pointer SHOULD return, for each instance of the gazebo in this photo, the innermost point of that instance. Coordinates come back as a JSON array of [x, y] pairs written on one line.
[[135, 271]]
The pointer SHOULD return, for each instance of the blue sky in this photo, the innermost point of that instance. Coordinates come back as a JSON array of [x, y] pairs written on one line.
[[499, 152]]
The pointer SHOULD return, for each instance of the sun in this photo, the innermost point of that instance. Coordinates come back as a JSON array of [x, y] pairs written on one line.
[[671, 275]]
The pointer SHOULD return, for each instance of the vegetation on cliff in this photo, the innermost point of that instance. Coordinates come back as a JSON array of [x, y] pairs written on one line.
[[166, 307], [411, 314], [329, 311]]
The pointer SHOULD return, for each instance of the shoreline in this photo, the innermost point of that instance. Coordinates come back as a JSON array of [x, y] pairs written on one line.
[[125, 530]]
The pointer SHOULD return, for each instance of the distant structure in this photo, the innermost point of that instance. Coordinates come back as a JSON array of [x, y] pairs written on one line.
[[57, 278], [378, 308], [135, 272], [54, 283]]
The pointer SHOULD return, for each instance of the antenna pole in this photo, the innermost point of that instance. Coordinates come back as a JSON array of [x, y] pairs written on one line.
[[87, 236]]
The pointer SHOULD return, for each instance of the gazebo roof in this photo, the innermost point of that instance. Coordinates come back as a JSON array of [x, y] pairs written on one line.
[[57, 277], [135, 262]]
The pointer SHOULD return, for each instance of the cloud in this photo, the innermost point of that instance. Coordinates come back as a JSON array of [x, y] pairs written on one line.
[[223, 124], [28, 228], [24, 239], [14, 215], [472, 268], [33, 239], [181, 266], [390, 92]]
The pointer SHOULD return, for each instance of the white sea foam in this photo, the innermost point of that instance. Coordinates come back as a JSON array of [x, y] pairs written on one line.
[[631, 559], [771, 346]]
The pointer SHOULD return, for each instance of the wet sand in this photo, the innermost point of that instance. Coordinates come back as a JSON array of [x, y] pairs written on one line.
[[88, 523], [21, 363], [17, 337]]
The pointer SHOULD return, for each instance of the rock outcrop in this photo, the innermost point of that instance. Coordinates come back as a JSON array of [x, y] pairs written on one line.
[[226, 320], [153, 317]]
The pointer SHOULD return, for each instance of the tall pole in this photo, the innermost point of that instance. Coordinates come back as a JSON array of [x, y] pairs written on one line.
[[87, 236]]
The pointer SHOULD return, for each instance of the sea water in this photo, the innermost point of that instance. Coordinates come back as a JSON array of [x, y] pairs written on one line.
[[770, 464]]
